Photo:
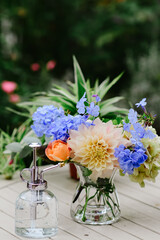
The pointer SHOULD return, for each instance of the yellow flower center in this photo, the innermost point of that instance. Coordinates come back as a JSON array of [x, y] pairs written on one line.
[[96, 154]]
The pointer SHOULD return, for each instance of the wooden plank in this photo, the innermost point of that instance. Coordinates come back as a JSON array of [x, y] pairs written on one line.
[[137, 230], [63, 235], [4, 235], [6, 183], [79, 230], [6, 207]]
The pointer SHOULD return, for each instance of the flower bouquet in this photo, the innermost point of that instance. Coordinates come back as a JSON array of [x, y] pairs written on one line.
[[98, 147]]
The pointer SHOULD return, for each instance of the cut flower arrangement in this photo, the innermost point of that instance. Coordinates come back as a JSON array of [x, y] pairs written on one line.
[[98, 147]]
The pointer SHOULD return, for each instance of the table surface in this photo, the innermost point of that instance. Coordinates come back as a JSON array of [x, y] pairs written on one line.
[[140, 218]]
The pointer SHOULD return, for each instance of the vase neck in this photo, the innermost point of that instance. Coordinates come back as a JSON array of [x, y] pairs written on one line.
[[86, 179]]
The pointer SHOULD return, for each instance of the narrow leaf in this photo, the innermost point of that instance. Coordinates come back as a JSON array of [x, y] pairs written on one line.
[[96, 86], [112, 109], [101, 89], [65, 94], [79, 80], [113, 82], [17, 112], [110, 101]]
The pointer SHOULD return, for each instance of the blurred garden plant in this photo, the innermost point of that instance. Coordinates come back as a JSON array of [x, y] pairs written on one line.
[[11, 149]]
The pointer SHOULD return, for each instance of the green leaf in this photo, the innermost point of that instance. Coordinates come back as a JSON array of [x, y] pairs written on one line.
[[89, 90], [79, 80], [64, 93], [86, 172], [7, 152], [17, 112], [29, 140], [101, 91], [110, 101], [113, 82], [72, 87], [112, 109], [14, 147], [62, 99], [25, 152], [96, 86]]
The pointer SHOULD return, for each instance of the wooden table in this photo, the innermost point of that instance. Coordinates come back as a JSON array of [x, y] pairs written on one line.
[[140, 210]]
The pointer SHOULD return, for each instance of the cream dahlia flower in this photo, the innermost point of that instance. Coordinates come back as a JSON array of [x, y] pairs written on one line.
[[93, 147]]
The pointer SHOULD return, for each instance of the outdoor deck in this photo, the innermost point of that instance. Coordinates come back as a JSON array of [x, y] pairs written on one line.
[[140, 210]]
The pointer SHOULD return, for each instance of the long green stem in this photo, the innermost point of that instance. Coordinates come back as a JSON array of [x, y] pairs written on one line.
[[86, 202]]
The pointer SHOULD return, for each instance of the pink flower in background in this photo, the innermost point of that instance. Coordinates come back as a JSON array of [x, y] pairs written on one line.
[[14, 98], [50, 65], [11, 162], [35, 67], [8, 86]]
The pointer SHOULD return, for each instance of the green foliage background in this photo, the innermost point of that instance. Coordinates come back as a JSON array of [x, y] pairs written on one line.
[[102, 34]]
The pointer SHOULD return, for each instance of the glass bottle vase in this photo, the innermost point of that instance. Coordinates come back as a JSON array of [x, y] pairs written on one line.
[[36, 214], [95, 203]]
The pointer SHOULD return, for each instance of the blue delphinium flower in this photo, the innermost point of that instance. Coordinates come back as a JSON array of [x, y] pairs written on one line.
[[80, 105], [93, 110], [137, 130], [149, 134], [132, 116], [142, 103], [126, 126], [130, 159], [97, 97]]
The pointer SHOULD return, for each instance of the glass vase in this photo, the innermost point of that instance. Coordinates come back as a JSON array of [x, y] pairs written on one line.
[[95, 203]]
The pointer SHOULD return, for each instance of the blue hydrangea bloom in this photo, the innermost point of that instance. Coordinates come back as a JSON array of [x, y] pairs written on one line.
[[130, 159], [43, 117], [51, 121], [80, 105], [93, 110], [60, 129], [142, 103]]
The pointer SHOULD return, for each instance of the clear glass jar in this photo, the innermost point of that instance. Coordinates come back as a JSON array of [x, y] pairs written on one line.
[[95, 203], [36, 214]]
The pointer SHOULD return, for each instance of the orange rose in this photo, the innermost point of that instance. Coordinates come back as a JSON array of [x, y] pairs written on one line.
[[57, 151]]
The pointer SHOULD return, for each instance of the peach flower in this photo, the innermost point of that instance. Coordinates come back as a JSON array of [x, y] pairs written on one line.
[[8, 86], [93, 147], [58, 151]]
